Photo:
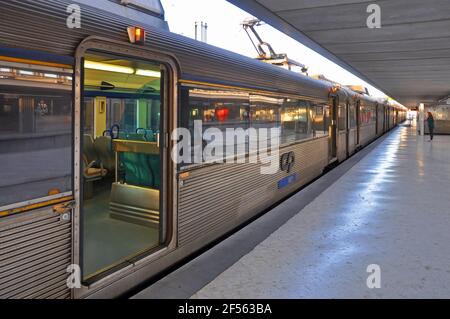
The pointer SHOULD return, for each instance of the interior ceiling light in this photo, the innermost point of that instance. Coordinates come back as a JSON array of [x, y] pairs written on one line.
[[108, 67], [154, 74], [120, 69], [26, 72]]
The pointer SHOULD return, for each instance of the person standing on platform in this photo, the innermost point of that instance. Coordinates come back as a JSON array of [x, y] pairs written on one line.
[[430, 121]]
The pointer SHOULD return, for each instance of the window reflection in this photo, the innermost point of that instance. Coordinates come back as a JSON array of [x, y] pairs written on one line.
[[342, 118], [321, 118], [35, 134], [352, 115], [297, 119], [367, 114]]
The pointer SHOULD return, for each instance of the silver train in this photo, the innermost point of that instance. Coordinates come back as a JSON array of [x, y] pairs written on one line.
[[91, 203]]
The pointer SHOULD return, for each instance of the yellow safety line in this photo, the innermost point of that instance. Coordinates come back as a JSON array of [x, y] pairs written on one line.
[[34, 62]]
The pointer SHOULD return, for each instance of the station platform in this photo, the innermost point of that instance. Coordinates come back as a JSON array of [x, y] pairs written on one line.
[[388, 205]]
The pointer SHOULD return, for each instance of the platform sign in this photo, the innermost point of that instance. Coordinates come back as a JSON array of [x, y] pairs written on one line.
[[287, 180]]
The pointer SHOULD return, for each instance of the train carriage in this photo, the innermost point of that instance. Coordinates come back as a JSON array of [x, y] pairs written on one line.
[[88, 182]]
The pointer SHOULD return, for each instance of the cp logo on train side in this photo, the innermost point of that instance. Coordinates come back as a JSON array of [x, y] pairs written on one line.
[[287, 161]]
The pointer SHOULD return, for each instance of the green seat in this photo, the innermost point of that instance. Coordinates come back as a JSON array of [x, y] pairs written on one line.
[[154, 164], [141, 169], [136, 170]]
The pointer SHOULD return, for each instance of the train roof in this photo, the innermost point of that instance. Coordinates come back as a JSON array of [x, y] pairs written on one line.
[[41, 25]]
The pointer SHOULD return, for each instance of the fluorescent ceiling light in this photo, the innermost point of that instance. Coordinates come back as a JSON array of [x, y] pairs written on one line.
[[154, 74], [108, 67], [53, 76], [26, 72], [120, 69]]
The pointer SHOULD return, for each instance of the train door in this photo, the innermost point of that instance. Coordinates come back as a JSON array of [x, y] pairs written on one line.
[[124, 172], [388, 114], [334, 101], [358, 121], [376, 119], [347, 129]]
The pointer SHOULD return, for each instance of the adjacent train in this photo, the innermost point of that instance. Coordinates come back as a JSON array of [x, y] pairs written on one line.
[[91, 202]]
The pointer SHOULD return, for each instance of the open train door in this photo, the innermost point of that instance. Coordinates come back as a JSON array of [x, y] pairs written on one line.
[[124, 175]]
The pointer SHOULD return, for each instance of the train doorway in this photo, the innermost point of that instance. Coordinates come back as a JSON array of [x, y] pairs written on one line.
[[123, 156]]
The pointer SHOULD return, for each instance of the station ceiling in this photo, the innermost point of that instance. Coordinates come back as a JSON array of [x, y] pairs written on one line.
[[408, 57]]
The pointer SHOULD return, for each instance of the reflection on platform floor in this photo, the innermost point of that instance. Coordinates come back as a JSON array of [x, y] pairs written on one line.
[[391, 209]]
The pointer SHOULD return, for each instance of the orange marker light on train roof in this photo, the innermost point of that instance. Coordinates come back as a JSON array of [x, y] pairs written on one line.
[[334, 89], [136, 35]]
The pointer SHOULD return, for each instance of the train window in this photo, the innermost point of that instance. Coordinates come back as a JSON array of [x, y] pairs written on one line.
[[219, 109], [321, 119], [88, 109], [352, 115], [121, 160], [364, 114], [367, 114], [295, 121], [327, 118], [342, 118], [374, 114], [224, 109], [35, 133], [265, 111]]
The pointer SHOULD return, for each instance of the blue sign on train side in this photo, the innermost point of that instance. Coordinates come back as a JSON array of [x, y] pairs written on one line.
[[287, 180]]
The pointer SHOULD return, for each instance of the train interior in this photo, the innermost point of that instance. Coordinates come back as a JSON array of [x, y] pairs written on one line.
[[121, 169]]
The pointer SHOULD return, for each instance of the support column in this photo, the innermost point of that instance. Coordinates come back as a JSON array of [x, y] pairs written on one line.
[[421, 117]]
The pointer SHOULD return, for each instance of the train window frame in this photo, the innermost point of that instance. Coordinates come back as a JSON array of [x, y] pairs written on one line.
[[322, 111], [342, 117], [305, 106], [169, 186], [186, 86], [62, 75]]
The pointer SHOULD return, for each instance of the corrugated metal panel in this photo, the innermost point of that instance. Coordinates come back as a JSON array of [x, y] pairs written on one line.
[[342, 145], [214, 196], [367, 134], [352, 137], [35, 251], [41, 25]]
